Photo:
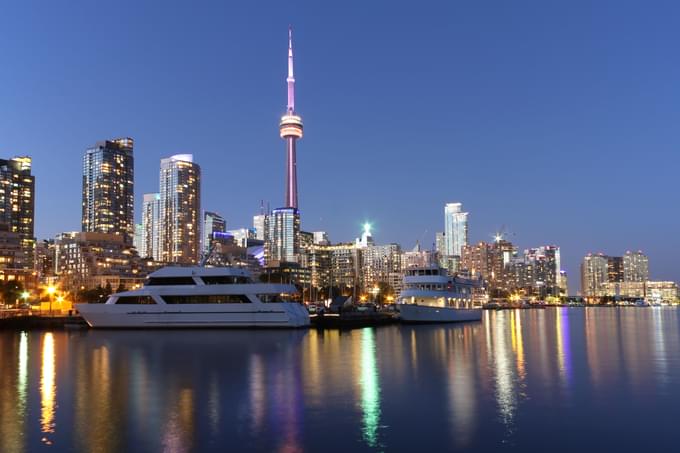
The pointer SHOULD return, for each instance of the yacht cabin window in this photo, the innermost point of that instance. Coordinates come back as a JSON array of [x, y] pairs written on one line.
[[224, 279], [135, 300], [207, 299], [276, 298]]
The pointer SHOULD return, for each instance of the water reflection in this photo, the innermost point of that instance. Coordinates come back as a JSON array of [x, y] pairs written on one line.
[[478, 387], [461, 383], [48, 388], [370, 388], [502, 361], [563, 345], [179, 426]]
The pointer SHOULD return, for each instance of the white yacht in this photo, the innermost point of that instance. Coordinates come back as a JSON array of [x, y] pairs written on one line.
[[431, 295], [194, 297]]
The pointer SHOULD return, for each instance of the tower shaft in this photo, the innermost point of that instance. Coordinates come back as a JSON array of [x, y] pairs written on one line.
[[291, 173]]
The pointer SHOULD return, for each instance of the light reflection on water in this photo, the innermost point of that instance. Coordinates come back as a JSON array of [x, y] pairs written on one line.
[[48, 388], [370, 388], [516, 381]]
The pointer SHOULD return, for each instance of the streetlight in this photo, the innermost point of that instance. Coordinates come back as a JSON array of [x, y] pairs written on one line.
[[374, 291], [50, 291]]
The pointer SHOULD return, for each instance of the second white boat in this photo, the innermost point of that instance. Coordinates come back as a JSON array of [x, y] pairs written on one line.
[[430, 295]]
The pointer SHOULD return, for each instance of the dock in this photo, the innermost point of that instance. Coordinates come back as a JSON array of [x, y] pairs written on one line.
[[353, 320], [37, 322]]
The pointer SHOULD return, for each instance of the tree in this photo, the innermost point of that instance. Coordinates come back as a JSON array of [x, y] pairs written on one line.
[[10, 291]]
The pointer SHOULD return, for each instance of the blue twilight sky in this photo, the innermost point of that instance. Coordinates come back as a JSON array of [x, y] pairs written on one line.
[[556, 119]]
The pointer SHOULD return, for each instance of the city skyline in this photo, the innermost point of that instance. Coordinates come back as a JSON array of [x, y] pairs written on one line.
[[586, 225]]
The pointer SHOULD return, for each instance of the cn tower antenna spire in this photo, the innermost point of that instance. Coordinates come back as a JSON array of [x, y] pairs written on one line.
[[290, 79]]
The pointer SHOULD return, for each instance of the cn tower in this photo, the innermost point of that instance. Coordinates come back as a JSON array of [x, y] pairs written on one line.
[[291, 130]]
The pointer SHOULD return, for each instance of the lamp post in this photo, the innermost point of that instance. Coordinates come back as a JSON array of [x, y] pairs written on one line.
[[24, 296], [375, 291]]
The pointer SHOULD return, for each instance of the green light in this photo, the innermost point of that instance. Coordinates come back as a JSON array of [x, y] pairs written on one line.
[[370, 389]]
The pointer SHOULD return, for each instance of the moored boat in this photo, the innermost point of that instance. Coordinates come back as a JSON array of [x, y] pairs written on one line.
[[430, 295], [197, 297]]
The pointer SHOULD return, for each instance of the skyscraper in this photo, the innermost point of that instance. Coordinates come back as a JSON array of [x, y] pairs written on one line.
[[635, 267], [108, 188], [282, 238], [594, 275], [151, 214], [180, 207], [258, 226], [212, 223], [17, 207], [291, 130], [456, 232]]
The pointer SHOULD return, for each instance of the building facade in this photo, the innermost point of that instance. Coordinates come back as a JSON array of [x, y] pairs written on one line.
[[150, 244], [456, 229], [615, 269], [17, 214], [180, 207], [108, 188], [282, 239], [85, 260], [212, 223], [258, 226], [635, 267], [381, 264], [594, 275]]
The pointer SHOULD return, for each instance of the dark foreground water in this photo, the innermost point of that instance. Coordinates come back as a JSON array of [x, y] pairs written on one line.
[[596, 379]]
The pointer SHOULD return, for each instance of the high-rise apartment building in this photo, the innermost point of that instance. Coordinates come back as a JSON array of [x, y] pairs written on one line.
[[282, 238], [545, 263], [635, 267], [476, 259], [212, 223], [536, 272], [150, 245], [17, 211], [108, 188], [456, 229], [381, 264], [258, 226], [180, 207], [594, 275]]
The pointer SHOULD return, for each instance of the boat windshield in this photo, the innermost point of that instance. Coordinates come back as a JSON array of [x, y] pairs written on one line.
[[169, 281]]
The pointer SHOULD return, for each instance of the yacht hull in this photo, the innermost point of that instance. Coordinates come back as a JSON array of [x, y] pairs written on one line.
[[414, 314], [286, 315]]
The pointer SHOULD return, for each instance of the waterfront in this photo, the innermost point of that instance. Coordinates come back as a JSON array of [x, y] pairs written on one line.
[[562, 379]]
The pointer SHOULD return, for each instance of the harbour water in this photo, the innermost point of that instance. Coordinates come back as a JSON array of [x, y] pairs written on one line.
[[560, 379]]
